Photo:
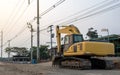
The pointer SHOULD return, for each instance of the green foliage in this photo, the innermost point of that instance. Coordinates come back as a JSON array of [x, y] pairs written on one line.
[[92, 34], [34, 52], [44, 54], [18, 50]]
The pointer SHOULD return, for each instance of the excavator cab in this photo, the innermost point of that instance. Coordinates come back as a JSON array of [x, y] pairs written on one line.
[[71, 39]]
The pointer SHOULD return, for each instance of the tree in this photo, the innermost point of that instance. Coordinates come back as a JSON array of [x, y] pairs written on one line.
[[44, 54], [8, 50], [92, 34], [34, 52], [18, 50]]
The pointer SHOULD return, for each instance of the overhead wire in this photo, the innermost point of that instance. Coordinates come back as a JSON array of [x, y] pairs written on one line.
[[51, 8], [19, 33], [101, 3], [14, 16], [9, 18], [28, 39], [35, 35], [22, 30], [48, 10], [110, 8], [76, 13], [91, 11], [84, 10], [18, 19], [99, 12]]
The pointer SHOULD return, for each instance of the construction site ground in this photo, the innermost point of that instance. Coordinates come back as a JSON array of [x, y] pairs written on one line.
[[47, 69]]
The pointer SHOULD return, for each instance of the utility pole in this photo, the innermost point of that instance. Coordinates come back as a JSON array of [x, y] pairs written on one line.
[[51, 36], [108, 35], [38, 36], [38, 16], [28, 1], [9, 47], [1, 42], [31, 30]]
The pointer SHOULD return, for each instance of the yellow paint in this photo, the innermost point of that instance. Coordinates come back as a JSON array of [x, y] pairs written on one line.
[[91, 48]]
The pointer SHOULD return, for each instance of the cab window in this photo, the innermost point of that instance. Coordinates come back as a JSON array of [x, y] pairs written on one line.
[[67, 38], [78, 38]]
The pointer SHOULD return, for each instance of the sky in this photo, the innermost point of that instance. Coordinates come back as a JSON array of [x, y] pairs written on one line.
[[15, 14]]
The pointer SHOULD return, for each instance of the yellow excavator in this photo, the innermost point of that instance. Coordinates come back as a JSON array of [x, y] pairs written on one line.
[[77, 53]]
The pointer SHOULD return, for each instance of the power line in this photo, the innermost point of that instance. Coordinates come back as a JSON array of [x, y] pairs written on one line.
[[12, 18], [13, 10], [48, 10], [5, 44], [35, 35], [82, 11], [45, 12], [83, 17], [99, 12], [19, 18], [88, 13], [87, 10], [52, 7], [106, 9], [18, 34], [23, 29]]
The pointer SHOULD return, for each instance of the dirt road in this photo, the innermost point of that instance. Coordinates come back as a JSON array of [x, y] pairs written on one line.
[[47, 69]]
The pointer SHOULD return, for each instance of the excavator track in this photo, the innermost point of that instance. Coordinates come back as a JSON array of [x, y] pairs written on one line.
[[73, 63], [76, 63], [97, 63], [82, 63]]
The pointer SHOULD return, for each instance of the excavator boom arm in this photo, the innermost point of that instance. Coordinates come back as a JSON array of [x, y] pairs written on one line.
[[71, 29]]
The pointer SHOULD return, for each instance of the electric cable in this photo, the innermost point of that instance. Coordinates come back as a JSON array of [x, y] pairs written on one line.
[[93, 10], [89, 15], [48, 10], [9, 18], [15, 14], [19, 17], [101, 5]]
